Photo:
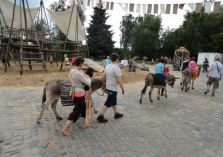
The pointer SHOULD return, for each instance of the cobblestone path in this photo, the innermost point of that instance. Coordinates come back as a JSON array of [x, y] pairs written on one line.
[[184, 125]]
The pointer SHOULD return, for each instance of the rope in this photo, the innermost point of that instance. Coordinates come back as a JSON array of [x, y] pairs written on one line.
[[100, 94]]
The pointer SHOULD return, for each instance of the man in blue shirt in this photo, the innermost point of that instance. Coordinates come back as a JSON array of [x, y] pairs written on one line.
[[106, 61]]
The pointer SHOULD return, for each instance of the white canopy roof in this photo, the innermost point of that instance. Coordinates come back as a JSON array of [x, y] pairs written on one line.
[[61, 19], [7, 10]]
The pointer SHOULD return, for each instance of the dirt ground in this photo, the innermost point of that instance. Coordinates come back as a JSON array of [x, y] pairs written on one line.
[[37, 78]]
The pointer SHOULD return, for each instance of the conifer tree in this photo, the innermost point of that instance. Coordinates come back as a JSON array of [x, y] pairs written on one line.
[[99, 36]]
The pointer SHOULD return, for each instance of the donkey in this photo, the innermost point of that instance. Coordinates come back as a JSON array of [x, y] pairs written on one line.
[[187, 79], [51, 94], [155, 81]]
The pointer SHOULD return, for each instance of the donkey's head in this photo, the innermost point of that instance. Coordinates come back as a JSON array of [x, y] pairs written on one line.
[[90, 72], [171, 80]]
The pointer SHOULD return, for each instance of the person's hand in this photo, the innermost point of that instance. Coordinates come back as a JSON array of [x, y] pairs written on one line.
[[123, 91]]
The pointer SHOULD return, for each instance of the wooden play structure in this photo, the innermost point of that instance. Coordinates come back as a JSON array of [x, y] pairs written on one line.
[[23, 44]]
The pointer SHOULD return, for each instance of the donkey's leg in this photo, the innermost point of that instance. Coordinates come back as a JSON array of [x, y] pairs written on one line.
[[150, 93], [143, 92], [192, 84], [158, 92], [92, 104], [43, 107], [54, 108], [165, 92], [183, 85]]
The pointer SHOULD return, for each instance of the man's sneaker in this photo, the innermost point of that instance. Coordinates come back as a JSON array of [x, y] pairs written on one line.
[[118, 115], [206, 92], [101, 119]]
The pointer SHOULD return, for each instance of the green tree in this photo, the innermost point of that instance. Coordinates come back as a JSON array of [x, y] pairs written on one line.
[[146, 36], [127, 25], [199, 33], [99, 36]]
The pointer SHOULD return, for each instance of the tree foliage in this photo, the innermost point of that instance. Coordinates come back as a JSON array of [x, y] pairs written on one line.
[[99, 36], [146, 36], [198, 33]]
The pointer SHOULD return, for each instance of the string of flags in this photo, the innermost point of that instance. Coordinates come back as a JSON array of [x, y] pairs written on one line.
[[209, 7]]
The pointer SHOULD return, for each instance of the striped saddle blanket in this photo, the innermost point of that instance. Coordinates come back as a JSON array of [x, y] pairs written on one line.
[[65, 87]]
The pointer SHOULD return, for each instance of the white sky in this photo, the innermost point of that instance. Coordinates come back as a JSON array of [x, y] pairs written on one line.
[[171, 21]]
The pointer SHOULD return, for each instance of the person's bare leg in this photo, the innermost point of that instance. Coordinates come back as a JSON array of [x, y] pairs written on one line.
[[101, 118], [104, 110], [66, 130], [115, 108], [84, 123]]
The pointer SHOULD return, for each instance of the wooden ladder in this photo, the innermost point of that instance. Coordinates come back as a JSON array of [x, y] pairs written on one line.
[[29, 53]]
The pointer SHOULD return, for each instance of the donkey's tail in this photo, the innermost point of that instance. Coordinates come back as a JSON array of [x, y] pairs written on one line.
[[44, 95], [144, 89]]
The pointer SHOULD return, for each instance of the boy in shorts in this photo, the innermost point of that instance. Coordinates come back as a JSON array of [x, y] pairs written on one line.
[[112, 77]]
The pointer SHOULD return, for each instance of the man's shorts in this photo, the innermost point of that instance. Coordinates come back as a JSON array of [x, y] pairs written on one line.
[[111, 99], [213, 80]]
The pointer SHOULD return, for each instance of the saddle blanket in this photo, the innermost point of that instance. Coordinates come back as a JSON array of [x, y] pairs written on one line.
[[65, 87]]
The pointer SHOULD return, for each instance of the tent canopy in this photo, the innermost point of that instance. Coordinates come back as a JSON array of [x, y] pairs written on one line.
[[62, 19], [7, 11], [182, 50]]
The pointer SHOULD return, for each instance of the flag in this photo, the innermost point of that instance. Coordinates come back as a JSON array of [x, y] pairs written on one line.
[[138, 8], [217, 7], [144, 8], [155, 9], [131, 7], [207, 7], [107, 5], [198, 8], [162, 8], [149, 9], [168, 8], [192, 6], [181, 6], [175, 8]]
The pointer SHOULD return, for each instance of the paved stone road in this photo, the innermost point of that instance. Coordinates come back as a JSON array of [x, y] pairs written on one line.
[[184, 125]]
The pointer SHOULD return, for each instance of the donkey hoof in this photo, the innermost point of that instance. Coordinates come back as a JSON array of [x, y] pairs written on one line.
[[181, 84], [59, 118], [165, 96], [95, 111], [151, 100], [158, 98], [192, 87], [140, 101]]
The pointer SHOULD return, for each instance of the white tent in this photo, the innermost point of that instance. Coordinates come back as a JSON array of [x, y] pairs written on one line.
[[7, 10], [209, 55], [62, 19]]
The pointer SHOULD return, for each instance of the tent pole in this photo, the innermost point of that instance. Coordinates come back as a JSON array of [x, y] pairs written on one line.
[[30, 13], [3, 17], [10, 36], [44, 10], [61, 66]]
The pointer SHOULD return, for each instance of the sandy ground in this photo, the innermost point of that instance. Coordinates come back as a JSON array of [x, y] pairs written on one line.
[[37, 78]]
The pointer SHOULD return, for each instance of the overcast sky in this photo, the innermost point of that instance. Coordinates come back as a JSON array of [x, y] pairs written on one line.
[[168, 21]]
